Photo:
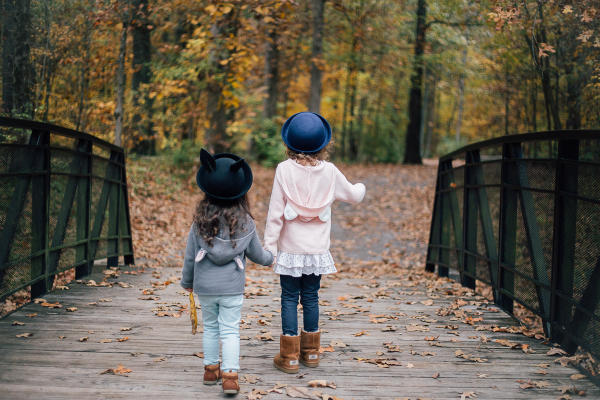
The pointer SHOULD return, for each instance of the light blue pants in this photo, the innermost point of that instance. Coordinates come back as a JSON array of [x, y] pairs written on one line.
[[221, 317]]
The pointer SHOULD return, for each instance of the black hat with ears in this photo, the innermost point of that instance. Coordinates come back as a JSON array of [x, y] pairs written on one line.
[[223, 176]]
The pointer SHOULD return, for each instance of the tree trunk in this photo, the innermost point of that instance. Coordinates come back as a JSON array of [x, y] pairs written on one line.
[[506, 100], [218, 113], [461, 97], [316, 62], [430, 106], [17, 71], [271, 73], [83, 79], [412, 152], [142, 75], [120, 86]]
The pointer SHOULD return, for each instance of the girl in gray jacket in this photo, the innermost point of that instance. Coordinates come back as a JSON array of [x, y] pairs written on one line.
[[222, 235]]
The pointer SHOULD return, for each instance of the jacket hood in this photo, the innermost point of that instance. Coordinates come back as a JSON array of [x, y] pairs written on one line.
[[225, 248], [310, 189]]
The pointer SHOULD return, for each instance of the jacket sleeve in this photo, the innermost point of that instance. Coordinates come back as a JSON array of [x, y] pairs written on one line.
[[274, 217], [345, 191], [257, 254], [187, 274]]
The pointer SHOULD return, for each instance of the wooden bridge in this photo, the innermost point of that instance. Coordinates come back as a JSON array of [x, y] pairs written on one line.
[[390, 328]]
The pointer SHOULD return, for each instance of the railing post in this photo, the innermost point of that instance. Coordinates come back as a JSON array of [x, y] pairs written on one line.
[[83, 212], [469, 222], [40, 211], [433, 255], [445, 218], [113, 211], [508, 224], [127, 259], [565, 217]]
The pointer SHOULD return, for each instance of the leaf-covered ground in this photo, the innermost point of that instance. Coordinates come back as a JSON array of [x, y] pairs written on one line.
[[390, 330]]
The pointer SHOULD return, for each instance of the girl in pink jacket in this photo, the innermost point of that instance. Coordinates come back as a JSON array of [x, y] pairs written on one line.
[[298, 230]]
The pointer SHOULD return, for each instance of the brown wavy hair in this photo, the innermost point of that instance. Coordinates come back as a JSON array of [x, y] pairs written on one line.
[[311, 159], [211, 213]]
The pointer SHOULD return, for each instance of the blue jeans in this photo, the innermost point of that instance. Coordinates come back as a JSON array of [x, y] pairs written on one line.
[[221, 320], [306, 287]]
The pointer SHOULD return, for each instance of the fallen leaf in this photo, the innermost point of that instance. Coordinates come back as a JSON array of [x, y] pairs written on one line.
[[435, 375], [71, 309], [24, 335], [83, 339], [125, 329], [51, 305], [123, 339], [555, 351], [18, 323], [361, 333], [468, 395], [120, 370], [300, 392], [321, 383], [576, 377]]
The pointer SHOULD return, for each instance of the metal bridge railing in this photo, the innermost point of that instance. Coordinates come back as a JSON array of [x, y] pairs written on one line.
[[521, 213], [63, 204]]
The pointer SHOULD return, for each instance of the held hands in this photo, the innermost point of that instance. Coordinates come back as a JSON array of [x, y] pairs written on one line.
[[189, 290]]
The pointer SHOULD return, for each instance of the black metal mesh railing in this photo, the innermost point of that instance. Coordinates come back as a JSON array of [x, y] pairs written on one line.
[[63, 204], [521, 213]]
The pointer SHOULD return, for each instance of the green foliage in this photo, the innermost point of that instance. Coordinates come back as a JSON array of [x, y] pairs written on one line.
[[448, 144], [267, 146], [185, 155]]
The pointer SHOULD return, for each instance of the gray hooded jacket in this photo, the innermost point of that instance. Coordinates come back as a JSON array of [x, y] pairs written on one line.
[[220, 269]]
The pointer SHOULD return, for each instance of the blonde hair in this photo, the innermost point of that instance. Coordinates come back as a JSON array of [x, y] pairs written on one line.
[[311, 159]]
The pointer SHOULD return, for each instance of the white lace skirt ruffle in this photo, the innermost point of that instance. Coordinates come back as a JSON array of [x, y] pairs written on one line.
[[297, 265]]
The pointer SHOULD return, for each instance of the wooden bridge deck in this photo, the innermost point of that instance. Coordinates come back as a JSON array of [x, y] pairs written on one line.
[[383, 338]]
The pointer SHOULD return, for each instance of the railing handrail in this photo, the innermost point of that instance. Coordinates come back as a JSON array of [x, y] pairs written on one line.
[[565, 134], [525, 223], [46, 126], [67, 201]]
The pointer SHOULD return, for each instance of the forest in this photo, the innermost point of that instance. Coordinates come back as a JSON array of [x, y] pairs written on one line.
[[398, 80]]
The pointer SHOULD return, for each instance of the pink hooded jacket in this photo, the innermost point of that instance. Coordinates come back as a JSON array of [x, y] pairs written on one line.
[[299, 218]]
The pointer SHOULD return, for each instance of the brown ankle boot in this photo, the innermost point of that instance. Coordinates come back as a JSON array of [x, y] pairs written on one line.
[[310, 343], [212, 373], [289, 351], [230, 382]]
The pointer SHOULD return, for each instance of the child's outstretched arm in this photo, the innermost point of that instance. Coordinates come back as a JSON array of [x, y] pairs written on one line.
[[274, 217], [345, 191], [187, 274], [256, 253]]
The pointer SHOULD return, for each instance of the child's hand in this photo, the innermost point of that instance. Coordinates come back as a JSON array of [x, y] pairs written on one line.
[[189, 290]]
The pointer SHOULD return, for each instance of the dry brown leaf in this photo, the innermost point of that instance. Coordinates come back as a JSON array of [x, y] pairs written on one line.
[[24, 335], [51, 305], [322, 383], [71, 309], [17, 323], [300, 392], [576, 377], [556, 351], [120, 370]]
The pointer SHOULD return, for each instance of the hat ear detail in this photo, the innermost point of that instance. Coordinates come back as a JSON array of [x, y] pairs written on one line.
[[236, 165], [207, 160]]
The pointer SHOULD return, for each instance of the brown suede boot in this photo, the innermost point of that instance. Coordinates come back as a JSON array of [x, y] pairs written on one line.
[[212, 373], [230, 382], [289, 351], [310, 343]]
